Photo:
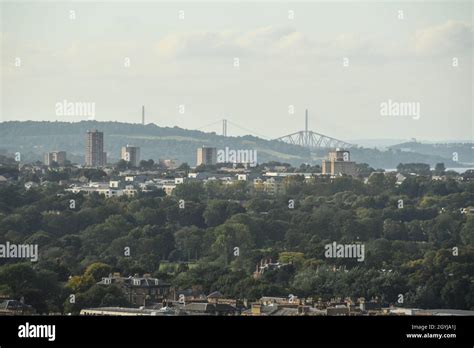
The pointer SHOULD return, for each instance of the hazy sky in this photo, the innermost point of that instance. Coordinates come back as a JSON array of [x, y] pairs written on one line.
[[288, 54]]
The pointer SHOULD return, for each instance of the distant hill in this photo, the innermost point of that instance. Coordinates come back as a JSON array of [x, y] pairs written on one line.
[[32, 139], [380, 144], [464, 152]]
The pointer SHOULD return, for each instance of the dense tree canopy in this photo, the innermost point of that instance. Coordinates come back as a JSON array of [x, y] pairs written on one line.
[[423, 249]]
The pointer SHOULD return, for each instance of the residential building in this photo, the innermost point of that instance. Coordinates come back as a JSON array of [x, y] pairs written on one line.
[[114, 184], [205, 308], [56, 156], [273, 186], [169, 163], [139, 290], [242, 177], [131, 154], [14, 307], [338, 310], [95, 155], [339, 163], [109, 189], [126, 312], [206, 156], [267, 265], [258, 185]]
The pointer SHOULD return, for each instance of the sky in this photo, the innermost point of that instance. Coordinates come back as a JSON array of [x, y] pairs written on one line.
[[258, 64]]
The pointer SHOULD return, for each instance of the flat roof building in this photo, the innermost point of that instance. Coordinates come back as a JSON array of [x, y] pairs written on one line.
[[339, 163], [131, 154], [206, 155], [95, 155], [56, 156]]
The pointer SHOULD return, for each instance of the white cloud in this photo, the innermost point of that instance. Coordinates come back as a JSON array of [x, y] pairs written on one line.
[[452, 38], [259, 41], [277, 43]]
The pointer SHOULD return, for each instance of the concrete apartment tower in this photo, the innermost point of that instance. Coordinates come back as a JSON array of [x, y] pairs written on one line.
[[131, 154], [339, 162], [206, 155], [95, 155], [56, 156]]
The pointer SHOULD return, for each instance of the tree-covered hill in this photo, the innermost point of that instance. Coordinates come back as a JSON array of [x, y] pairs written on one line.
[[32, 139]]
